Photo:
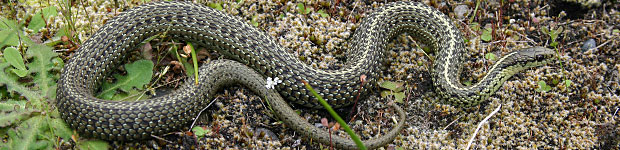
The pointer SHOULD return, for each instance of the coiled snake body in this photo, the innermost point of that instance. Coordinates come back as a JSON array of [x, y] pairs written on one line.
[[112, 120]]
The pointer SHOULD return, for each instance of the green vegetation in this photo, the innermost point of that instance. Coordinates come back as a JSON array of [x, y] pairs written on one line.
[[395, 89], [553, 34]]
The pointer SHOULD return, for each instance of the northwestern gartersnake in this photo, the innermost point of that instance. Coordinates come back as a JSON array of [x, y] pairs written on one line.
[[106, 49]]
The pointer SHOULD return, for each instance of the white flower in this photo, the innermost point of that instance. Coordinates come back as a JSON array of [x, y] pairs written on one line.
[[272, 82]]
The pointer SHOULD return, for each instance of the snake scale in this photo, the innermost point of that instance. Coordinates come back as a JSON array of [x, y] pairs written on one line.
[[257, 56]]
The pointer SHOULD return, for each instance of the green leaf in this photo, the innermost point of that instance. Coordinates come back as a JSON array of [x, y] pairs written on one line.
[[322, 13], [393, 86], [12, 105], [13, 56], [544, 30], [302, 9], [543, 87], [616, 31], [253, 21], [20, 73], [217, 6], [63, 31], [26, 134], [467, 83], [8, 34], [474, 26], [38, 20], [486, 34], [61, 129], [41, 65], [568, 83], [94, 145], [9, 118], [49, 12], [13, 86], [36, 23], [385, 93], [490, 56], [398, 97], [554, 43], [139, 73], [200, 131]]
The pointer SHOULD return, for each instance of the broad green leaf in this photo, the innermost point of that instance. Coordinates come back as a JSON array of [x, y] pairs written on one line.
[[568, 82], [42, 57], [8, 34], [139, 73], [8, 118], [8, 37], [386, 93], [467, 83], [543, 87], [200, 131], [12, 85], [94, 145], [61, 129], [36, 23], [20, 73], [490, 56], [49, 12], [13, 56], [398, 97], [38, 20], [301, 8], [394, 86], [41, 144], [217, 6], [12, 105], [26, 134], [63, 31], [486, 34], [322, 13]]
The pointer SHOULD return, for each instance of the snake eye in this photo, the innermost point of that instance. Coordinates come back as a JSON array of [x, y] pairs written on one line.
[[540, 57]]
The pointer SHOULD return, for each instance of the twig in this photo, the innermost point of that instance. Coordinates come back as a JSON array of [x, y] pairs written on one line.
[[452, 122], [531, 41], [612, 116], [195, 119], [480, 125], [159, 138]]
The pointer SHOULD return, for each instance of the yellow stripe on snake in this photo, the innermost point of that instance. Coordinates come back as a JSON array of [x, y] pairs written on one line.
[[257, 56]]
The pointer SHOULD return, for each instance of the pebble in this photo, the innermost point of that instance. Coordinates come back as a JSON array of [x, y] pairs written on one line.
[[461, 10], [588, 44]]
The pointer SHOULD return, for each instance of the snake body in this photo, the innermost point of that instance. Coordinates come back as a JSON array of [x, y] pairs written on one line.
[[107, 48]]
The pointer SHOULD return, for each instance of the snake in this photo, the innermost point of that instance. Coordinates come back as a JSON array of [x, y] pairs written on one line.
[[252, 56]]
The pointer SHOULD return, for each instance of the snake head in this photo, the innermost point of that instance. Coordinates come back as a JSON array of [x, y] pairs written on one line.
[[535, 56]]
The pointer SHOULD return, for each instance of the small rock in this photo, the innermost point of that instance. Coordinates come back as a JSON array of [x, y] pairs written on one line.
[[589, 44], [266, 133], [460, 11]]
